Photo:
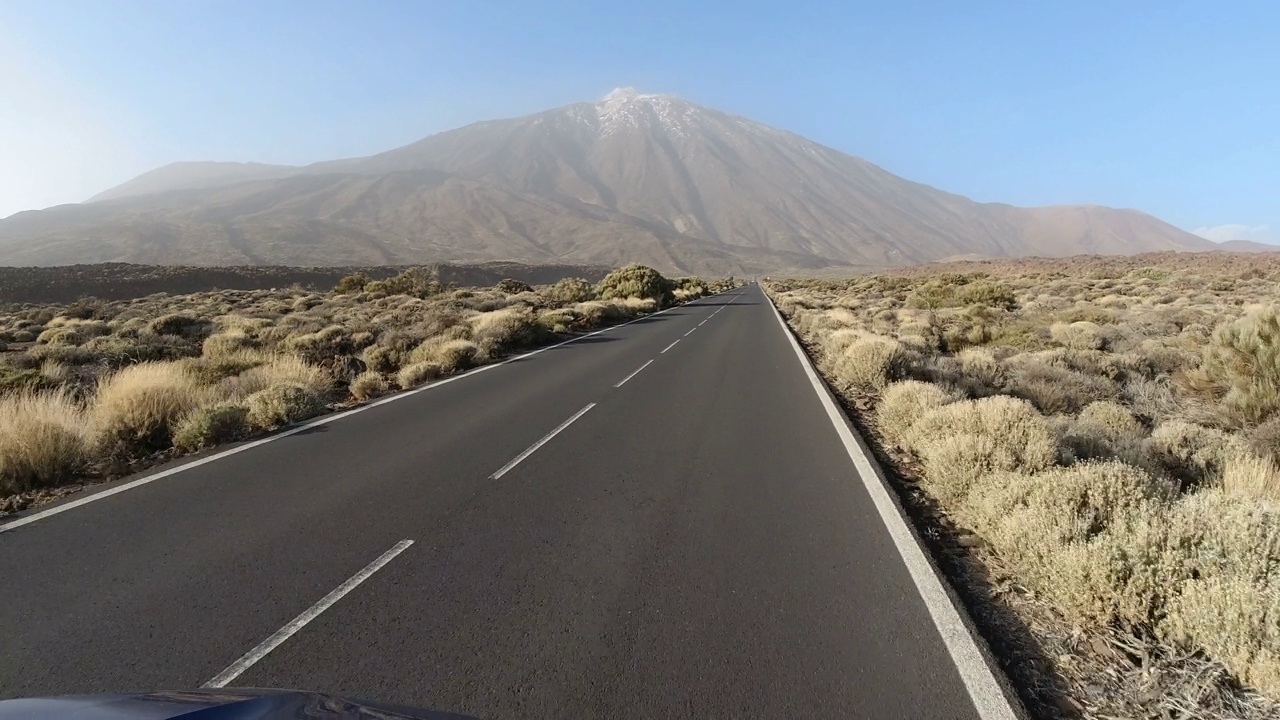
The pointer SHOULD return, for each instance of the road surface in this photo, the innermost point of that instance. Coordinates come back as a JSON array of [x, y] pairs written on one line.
[[659, 520]]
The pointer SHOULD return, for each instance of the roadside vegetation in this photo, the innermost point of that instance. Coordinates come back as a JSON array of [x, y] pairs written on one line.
[[97, 389], [1103, 438]]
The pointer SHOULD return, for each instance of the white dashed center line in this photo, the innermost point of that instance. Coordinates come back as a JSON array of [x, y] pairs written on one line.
[[637, 372], [274, 641], [534, 447]]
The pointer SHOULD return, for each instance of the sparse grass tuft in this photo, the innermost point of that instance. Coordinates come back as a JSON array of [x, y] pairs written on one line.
[[368, 385], [136, 408], [45, 439]]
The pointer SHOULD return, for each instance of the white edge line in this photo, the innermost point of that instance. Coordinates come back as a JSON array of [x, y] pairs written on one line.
[[545, 439], [669, 346], [275, 639], [637, 372], [984, 689], [41, 515]]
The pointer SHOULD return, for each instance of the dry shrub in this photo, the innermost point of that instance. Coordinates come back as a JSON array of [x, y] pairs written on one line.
[[1248, 475], [870, 363], [1104, 429], [1227, 601], [559, 321], [368, 385], [321, 346], [211, 370], [1075, 534], [135, 409], [383, 359], [962, 441], [62, 336], [634, 307], [45, 439], [1192, 453], [210, 426], [635, 281], [413, 375], [1111, 421], [902, 404], [227, 343], [450, 355], [1154, 400], [276, 370], [981, 368], [186, 326], [1054, 389], [571, 290], [1240, 367], [504, 330], [282, 404], [597, 312], [1080, 335], [1265, 439], [1236, 622]]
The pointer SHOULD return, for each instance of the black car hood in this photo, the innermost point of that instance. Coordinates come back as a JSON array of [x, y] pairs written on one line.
[[226, 704]]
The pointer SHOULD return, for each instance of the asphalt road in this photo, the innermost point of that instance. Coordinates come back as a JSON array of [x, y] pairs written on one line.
[[695, 543]]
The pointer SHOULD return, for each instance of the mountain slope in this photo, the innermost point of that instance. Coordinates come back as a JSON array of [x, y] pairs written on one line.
[[194, 175], [634, 177], [1247, 246]]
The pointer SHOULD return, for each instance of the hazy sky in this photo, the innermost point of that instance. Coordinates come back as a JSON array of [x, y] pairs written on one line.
[[1170, 107]]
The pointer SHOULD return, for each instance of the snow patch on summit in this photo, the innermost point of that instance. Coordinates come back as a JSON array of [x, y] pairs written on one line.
[[628, 108]]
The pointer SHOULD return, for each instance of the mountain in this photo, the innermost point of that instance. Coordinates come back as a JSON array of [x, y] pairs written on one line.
[[1247, 246], [633, 177], [192, 176]]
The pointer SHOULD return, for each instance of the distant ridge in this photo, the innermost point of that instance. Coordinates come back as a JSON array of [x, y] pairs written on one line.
[[194, 175], [1247, 246]]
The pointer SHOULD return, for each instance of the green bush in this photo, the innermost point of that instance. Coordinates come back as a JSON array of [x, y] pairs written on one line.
[[988, 294], [417, 282], [505, 330], [212, 426], [213, 370], [636, 281], [15, 379], [89, 308], [571, 290], [321, 346], [353, 283], [512, 286], [187, 326], [282, 404], [380, 358]]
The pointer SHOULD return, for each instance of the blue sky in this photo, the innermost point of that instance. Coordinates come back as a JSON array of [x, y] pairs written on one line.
[[1170, 107]]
